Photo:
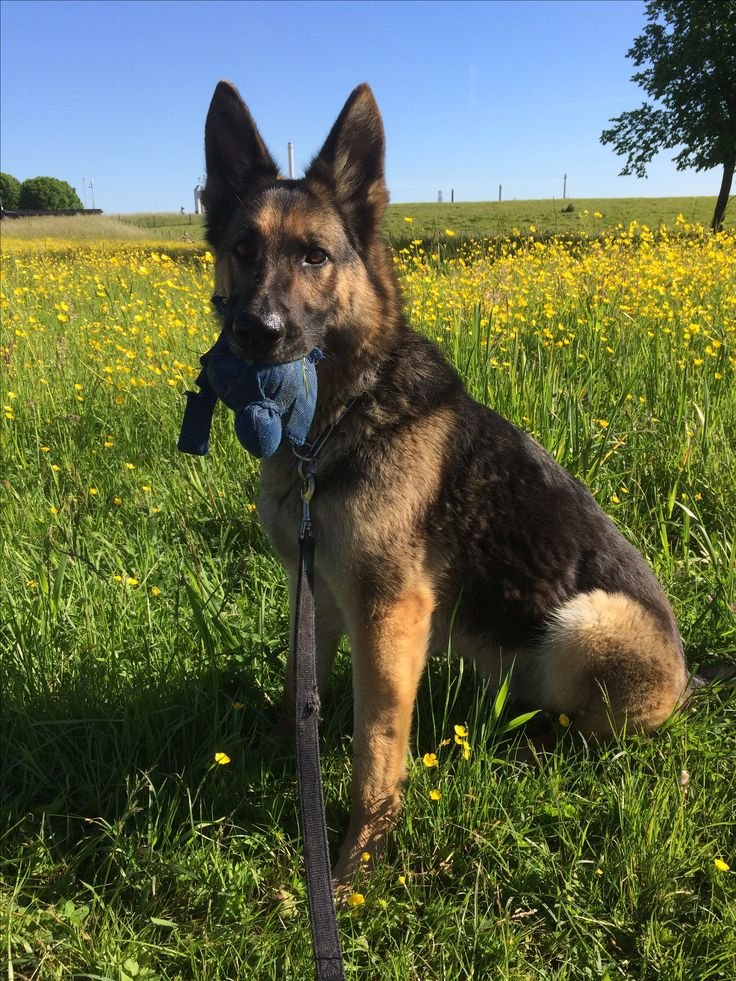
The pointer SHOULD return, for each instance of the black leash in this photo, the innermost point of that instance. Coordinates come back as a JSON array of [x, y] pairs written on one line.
[[325, 936]]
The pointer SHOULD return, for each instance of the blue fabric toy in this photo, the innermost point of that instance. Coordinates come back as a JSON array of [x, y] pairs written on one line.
[[268, 400]]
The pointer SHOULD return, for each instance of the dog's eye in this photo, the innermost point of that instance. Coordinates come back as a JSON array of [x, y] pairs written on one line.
[[315, 257], [246, 250]]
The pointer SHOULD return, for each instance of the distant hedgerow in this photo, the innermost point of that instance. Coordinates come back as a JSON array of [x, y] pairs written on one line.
[[48, 194]]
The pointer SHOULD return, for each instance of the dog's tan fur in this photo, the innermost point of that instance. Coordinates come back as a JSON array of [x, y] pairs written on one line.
[[431, 513], [605, 644]]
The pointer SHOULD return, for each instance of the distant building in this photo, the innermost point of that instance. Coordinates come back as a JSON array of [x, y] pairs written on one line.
[[198, 205]]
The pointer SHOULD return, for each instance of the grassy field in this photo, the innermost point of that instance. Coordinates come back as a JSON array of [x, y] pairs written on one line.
[[85, 228], [144, 625], [429, 221], [590, 216]]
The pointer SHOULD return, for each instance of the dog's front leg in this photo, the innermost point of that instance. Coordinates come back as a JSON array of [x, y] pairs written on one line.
[[389, 643]]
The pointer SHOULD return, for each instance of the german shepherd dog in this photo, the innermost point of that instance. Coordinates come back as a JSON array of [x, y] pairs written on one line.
[[432, 514]]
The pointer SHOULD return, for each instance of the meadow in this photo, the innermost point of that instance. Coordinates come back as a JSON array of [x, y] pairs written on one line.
[[145, 834], [464, 219], [474, 219]]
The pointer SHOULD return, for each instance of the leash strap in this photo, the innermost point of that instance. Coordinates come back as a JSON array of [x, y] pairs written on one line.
[[325, 936]]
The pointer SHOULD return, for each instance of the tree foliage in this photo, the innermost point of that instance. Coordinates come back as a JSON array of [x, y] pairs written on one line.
[[687, 57], [48, 194], [9, 192]]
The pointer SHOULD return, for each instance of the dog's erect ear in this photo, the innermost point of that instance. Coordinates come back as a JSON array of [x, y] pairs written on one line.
[[236, 157], [351, 163]]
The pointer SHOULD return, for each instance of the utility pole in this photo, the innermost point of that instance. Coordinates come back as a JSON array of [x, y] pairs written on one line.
[[564, 187]]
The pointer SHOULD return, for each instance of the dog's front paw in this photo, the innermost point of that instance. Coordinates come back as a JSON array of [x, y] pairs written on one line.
[[365, 841], [353, 860]]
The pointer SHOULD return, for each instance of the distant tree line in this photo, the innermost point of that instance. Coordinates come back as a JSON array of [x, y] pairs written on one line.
[[37, 194]]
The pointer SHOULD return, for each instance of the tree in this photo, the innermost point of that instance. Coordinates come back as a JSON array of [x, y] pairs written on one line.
[[48, 194], [687, 54], [9, 192]]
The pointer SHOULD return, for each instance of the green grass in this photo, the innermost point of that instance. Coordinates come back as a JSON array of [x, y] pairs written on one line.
[[467, 218], [167, 225], [144, 629], [84, 228], [479, 218]]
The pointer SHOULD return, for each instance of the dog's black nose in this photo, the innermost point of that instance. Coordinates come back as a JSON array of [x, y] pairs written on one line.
[[258, 333]]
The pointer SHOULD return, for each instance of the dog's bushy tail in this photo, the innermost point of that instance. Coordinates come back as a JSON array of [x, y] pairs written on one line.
[[609, 663]]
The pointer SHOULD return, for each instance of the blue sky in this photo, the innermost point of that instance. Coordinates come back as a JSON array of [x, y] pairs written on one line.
[[473, 95]]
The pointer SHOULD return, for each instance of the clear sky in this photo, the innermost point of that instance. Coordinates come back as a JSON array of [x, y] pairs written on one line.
[[473, 94]]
